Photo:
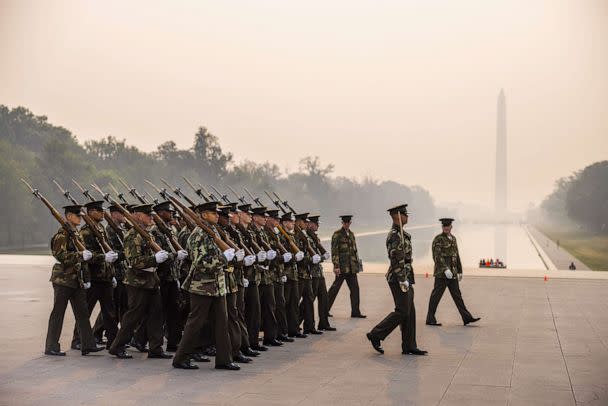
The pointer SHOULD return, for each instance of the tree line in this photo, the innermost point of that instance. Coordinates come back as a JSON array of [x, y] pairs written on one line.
[[37, 150]]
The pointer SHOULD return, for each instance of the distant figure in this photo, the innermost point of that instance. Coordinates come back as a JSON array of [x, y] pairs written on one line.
[[572, 267], [481, 262], [491, 262]]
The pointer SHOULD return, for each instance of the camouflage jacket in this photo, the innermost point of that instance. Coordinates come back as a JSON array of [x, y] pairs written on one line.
[[116, 242], [167, 271], [261, 239], [140, 256], [445, 255], [344, 254], [276, 265], [304, 265], [316, 270], [237, 238], [70, 270], [252, 273], [184, 267], [99, 268], [206, 275], [231, 283], [290, 269], [400, 256]]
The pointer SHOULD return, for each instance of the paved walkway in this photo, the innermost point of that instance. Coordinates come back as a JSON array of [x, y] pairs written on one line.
[[558, 255], [538, 343]]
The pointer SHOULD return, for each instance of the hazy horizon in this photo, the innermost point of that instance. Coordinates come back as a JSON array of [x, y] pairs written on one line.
[[393, 90]]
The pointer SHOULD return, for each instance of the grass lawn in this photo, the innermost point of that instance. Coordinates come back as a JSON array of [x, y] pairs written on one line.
[[590, 248]]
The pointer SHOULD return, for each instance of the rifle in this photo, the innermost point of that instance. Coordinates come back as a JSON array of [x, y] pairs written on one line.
[[101, 241], [178, 192], [160, 223], [134, 223], [277, 203], [71, 230], [211, 195], [198, 191], [223, 196], [198, 221], [189, 221], [239, 198], [106, 215]]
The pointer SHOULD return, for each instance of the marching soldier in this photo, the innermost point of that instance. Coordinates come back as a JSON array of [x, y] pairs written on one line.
[[143, 289], [291, 287], [448, 274], [319, 287], [102, 274], [400, 277], [307, 311], [70, 277], [207, 286], [345, 258]]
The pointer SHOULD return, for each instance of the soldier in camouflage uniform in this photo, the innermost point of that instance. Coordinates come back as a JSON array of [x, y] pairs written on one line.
[[345, 258], [307, 310], [252, 275], [291, 287], [102, 274], [70, 277], [266, 288], [143, 289], [400, 277], [277, 268], [206, 283], [448, 274], [319, 288]]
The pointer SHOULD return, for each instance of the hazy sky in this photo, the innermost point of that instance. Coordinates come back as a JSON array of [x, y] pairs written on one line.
[[402, 90]]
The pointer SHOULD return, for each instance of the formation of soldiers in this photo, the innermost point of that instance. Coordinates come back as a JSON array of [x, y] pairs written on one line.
[[208, 277]]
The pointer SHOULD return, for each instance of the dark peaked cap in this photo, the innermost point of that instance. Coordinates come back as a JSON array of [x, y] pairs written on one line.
[[72, 208], [446, 221], [402, 208]]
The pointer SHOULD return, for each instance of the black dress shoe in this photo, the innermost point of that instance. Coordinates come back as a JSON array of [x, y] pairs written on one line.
[[415, 351], [434, 323], [140, 347], [198, 357], [185, 365], [473, 320], [375, 343], [159, 355], [75, 346], [231, 366], [249, 352], [57, 353], [285, 339], [210, 351], [299, 335], [358, 316], [315, 332], [242, 359], [259, 348], [328, 328], [94, 349], [122, 354], [272, 343]]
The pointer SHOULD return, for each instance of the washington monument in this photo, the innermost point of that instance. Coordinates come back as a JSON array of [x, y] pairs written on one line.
[[501, 157]]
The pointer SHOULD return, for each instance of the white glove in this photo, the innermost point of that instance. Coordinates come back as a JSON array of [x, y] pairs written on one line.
[[283, 278], [448, 274], [86, 255], [287, 257], [326, 256], [261, 256], [406, 284], [271, 254], [240, 254], [111, 256], [161, 256], [87, 285], [316, 259], [181, 255], [245, 282], [459, 277], [276, 230], [229, 254], [114, 282], [179, 285], [249, 260], [299, 256]]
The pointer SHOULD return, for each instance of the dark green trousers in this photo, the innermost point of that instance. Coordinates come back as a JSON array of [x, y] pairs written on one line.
[[403, 316], [292, 298], [307, 310], [279, 308]]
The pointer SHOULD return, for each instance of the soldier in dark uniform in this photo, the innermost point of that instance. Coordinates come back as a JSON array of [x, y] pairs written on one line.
[[207, 286], [448, 274], [143, 289], [70, 277], [291, 287], [319, 288], [307, 310], [345, 258], [102, 274], [400, 277]]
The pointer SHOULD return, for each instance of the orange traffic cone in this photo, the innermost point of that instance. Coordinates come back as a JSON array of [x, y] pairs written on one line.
[[546, 278], [426, 275]]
